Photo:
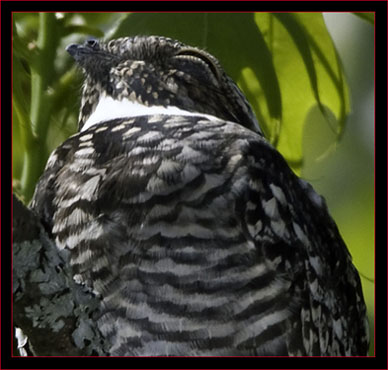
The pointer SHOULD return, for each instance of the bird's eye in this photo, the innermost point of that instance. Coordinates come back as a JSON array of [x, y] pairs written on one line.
[[206, 59], [93, 43]]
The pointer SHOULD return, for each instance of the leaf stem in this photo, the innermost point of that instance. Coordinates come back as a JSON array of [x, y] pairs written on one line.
[[42, 72]]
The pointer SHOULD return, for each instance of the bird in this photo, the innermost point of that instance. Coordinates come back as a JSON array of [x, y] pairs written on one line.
[[190, 227]]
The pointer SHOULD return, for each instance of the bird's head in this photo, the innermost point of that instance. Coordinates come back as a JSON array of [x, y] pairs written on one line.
[[155, 71]]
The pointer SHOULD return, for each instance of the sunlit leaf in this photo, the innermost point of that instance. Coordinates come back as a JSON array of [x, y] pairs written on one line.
[[309, 74], [369, 17]]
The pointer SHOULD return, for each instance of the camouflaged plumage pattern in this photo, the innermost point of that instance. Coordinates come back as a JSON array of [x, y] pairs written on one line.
[[193, 230]]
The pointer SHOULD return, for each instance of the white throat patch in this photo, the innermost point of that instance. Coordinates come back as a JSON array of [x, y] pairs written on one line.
[[109, 108]]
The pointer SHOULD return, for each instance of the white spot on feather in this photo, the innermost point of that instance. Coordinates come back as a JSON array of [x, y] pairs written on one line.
[[278, 193], [86, 137], [337, 326], [89, 188], [300, 234], [271, 208], [84, 152], [52, 159], [131, 131], [150, 136]]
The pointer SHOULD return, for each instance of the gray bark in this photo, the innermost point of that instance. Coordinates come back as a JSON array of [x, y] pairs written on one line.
[[55, 314]]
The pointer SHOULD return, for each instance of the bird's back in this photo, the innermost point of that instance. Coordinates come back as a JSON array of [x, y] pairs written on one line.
[[190, 226]]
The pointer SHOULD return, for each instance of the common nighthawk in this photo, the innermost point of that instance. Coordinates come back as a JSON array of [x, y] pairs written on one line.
[[186, 222]]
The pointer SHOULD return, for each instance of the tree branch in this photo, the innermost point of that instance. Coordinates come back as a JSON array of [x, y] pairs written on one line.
[[57, 315]]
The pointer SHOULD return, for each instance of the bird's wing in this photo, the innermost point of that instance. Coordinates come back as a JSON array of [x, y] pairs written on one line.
[[291, 225]]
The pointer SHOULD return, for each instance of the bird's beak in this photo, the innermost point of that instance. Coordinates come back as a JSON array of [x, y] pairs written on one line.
[[73, 50]]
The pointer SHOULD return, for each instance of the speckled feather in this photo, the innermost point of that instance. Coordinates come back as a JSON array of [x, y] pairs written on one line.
[[191, 228]]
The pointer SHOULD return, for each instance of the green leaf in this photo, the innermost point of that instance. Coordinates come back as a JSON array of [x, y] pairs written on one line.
[[369, 17], [309, 74]]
